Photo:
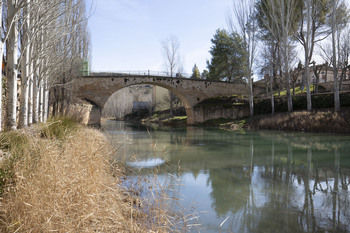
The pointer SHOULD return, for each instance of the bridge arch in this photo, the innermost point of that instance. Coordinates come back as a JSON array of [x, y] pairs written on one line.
[[182, 98]]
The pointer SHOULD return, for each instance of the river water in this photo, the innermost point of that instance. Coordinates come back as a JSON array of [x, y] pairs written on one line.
[[247, 182]]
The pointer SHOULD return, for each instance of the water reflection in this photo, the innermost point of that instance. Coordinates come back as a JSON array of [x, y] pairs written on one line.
[[263, 181]]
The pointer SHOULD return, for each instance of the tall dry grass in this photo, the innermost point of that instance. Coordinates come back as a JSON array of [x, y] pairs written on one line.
[[64, 180], [317, 121], [66, 187], [161, 206]]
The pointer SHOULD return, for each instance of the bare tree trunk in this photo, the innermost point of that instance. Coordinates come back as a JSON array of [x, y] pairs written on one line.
[[171, 104], [287, 21], [342, 76], [273, 75], [1, 62], [244, 12], [36, 94], [23, 114], [251, 96], [46, 101], [41, 100], [32, 53], [289, 96], [172, 62], [11, 48], [317, 75], [272, 96], [307, 57], [30, 95], [335, 69]]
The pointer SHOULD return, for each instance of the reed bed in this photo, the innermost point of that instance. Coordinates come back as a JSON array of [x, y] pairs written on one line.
[[69, 184]]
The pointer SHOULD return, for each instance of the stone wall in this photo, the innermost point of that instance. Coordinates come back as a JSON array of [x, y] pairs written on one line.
[[202, 114], [86, 113]]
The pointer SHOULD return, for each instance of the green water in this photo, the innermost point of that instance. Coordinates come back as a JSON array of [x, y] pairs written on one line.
[[257, 181]]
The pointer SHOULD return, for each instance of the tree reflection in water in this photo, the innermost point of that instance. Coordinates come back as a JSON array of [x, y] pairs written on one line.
[[262, 181], [286, 195]]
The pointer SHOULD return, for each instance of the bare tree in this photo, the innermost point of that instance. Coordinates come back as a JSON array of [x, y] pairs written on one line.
[[335, 28], [244, 13], [312, 30], [25, 76], [267, 70], [172, 61], [1, 60], [171, 54], [11, 49], [308, 54], [280, 18], [53, 44], [344, 53]]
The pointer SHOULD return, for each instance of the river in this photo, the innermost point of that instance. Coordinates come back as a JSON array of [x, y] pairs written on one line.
[[260, 181]]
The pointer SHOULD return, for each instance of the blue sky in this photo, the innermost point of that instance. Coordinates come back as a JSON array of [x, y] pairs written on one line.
[[126, 35]]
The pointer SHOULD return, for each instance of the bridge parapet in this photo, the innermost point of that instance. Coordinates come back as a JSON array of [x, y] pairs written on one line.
[[136, 73]]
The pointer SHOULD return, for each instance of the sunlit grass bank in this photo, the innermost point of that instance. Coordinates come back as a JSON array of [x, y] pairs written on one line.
[[297, 91], [60, 177]]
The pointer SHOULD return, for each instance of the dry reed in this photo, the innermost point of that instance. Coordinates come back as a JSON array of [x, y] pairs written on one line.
[[66, 187], [68, 184]]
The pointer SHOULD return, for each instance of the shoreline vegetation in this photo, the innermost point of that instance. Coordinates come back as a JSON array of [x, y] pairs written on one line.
[[322, 118], [319, 121], [62, 176]]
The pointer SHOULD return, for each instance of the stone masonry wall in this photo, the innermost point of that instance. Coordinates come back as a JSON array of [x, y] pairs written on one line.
[[202, 114], [85, 113]]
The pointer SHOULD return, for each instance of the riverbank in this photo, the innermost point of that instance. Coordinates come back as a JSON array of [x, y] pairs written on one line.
[[64, 177], [325, 121]]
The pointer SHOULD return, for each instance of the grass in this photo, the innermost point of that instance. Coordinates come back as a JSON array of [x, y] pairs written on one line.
[[297, 91], [16, 143], [176, 120], [60, 177], [59, 127]]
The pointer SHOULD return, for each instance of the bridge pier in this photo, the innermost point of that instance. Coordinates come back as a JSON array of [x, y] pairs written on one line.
[[190, 115]]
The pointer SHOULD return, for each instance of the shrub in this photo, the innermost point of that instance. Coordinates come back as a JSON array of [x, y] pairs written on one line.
[[59, 127]]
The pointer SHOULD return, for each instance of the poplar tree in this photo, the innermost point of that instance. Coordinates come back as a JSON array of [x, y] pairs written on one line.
[[244, 13], [45, 41], [11, 71], [280, 18], [172, 61], [312, 29]]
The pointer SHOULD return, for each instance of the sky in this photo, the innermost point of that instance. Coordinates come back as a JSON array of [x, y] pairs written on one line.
[[126, 35]]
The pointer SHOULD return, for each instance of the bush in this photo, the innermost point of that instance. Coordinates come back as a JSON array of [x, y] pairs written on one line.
[[59, 127]]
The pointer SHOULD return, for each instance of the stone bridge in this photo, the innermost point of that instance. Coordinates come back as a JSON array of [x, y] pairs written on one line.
[[97, 88]]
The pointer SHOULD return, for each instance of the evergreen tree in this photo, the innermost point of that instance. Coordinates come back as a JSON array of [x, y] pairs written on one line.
[[228, 56], [205, 74], [195, 72]]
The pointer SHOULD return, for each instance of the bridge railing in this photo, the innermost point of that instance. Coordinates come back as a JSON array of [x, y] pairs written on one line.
[[137, 72]]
